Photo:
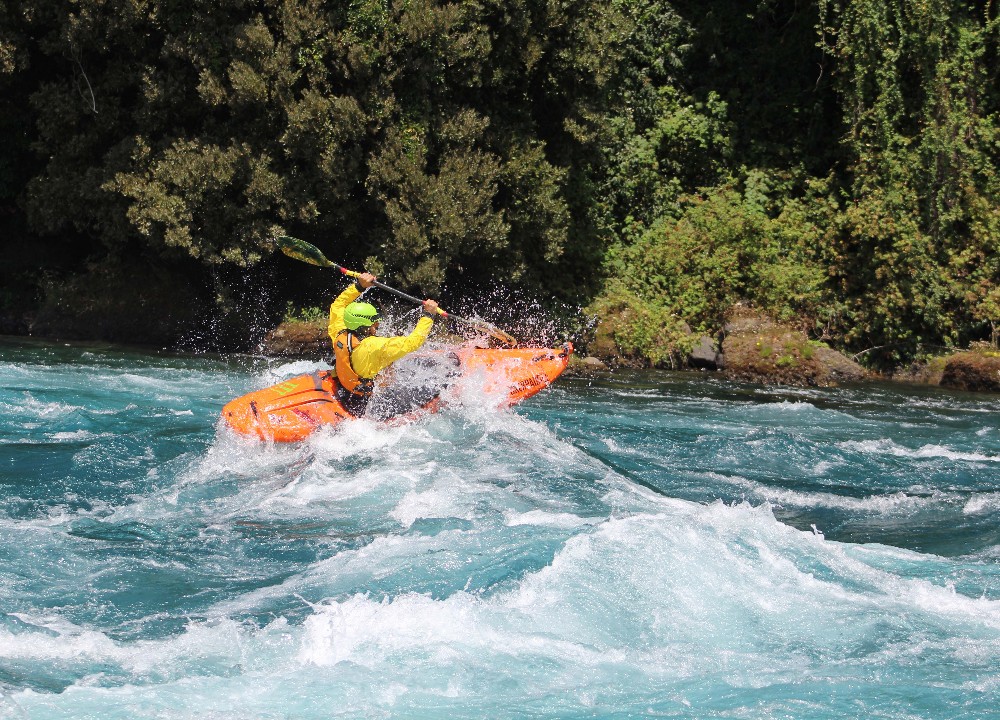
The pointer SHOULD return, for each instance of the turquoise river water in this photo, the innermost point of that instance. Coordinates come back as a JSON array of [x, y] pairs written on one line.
[[631, 545]]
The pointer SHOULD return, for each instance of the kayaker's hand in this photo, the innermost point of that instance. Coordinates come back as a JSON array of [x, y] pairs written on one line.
[[366, 280], [431, 307]]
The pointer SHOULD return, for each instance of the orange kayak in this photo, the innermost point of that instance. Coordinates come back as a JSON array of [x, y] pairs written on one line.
[[291, 410]]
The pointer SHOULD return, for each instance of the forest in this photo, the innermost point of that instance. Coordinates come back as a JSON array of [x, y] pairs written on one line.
[[651, 164]]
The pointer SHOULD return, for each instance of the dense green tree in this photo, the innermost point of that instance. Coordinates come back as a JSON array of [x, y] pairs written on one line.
[[917, 256], [895, 253], [692, 230], [13, 61], [25, 257], [432, 136], [831, 161], [764, 62]]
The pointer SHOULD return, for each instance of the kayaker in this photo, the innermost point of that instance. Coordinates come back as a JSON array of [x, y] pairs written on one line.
[[359, 355]]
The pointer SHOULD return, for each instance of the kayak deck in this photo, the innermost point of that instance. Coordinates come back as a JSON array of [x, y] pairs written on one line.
[[293, 409]]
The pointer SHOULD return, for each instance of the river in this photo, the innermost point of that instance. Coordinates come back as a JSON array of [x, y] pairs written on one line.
[[627, 545]]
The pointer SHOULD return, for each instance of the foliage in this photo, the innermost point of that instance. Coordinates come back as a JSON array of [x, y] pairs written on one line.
[[684, 148], [305, 314], [917, 257], [832, 163], [897, 249], [433, 136], [764, 62], [115, 307], [724, 248], [643, 329]]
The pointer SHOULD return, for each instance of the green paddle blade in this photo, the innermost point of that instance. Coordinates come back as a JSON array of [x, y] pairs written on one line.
[[301, 250]]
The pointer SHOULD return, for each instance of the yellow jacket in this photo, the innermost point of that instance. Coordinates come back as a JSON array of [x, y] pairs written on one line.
[[374, 354]]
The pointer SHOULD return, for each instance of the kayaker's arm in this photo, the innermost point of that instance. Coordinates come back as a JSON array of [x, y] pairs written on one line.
[[374, 354]]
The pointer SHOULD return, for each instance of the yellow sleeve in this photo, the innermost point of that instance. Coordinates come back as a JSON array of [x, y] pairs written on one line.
[[374, 354], [337, 310]]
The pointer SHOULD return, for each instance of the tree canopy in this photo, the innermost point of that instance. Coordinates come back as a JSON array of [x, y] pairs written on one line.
[[830, 161]]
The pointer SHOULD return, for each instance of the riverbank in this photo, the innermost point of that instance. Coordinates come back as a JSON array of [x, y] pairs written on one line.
[[785, 358], [751, 348]]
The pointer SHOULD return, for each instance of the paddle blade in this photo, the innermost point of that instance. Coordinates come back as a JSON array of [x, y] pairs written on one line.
[[503, 337], [301, 250], [492, 330]]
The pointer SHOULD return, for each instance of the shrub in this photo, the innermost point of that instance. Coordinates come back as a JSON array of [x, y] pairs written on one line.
[[684, 273]]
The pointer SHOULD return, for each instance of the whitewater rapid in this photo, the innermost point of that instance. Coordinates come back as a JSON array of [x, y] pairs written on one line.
[[626, 546]]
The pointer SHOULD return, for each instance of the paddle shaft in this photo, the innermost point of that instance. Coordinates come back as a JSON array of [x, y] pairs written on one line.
[[309, 253], [418, 301], [394, 291]]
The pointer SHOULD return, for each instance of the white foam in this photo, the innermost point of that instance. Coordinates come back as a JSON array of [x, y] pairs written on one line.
[[274, 375], [982, 503], [114, 411], [72, 436], [888, 447], [822, 467], [203, 646], [56, 639], [443, 499], [565, 521], [612, 445], [683, 593], [461, 628], [795, 406], [38, 408], [644, 394], [699, 587], [892, 503], [357, 437]]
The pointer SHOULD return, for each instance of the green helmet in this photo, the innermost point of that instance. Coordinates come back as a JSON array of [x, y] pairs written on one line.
[[359, 315]]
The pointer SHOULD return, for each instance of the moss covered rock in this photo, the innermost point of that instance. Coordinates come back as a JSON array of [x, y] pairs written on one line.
[[298, 339], [756, 349], [926, 372], [975, 370], [608, 347]]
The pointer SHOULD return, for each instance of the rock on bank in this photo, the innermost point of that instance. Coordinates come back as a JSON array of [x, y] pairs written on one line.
[[295, 339], [757, 349], [976, 370], [753, 348]]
